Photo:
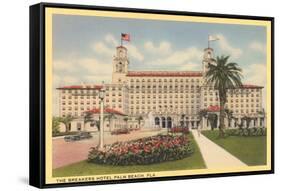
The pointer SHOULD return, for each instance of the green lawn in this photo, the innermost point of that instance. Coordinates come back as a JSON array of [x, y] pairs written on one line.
[[250, 150], [195, 161]]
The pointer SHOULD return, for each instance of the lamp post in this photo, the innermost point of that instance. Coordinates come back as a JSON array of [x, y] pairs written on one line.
[[101, 97], [166, 124]]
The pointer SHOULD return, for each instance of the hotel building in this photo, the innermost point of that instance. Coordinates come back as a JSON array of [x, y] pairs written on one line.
[[162, 98]]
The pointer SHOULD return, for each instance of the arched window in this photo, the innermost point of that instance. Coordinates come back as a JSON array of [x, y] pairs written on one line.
[[169, 122], [157, 121]]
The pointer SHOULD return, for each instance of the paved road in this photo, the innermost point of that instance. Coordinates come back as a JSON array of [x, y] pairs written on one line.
[[65, 153], [216, 157]]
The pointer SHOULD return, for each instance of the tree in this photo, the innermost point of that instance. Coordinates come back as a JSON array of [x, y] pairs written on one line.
[[262, 113], [182, 121], [229, 114], [213, 119], [223, 76], [202, 114], [248, 120], [55, 125], [66, 121], [126, 119], [139, 119], [109, 117], [87, 118]]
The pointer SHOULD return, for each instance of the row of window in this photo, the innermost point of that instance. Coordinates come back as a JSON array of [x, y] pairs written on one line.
[[85, 109], [165, 80], [241, 105], [166, 107], [164, 101], [164, 87]]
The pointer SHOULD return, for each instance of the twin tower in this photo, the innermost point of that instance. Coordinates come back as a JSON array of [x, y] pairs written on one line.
[[121, 63]]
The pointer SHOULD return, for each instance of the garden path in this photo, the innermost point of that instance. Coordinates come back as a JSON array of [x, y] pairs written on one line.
[[216, 157]]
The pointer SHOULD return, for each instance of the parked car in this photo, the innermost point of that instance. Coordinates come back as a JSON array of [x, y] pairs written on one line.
[[120, 131], [78, 136]]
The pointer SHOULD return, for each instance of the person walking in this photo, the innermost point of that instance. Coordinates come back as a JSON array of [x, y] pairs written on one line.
[[198, 131]]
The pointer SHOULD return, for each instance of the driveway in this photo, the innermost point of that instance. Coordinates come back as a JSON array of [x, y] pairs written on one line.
[[65, 153]]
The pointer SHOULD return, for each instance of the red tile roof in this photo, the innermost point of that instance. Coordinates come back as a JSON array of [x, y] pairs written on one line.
[[214, 108], [97, 87], [106, 110], [249, 86], [164, 74]]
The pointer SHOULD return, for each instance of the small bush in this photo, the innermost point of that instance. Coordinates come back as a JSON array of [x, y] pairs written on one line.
[[247, 132], [65, 133]]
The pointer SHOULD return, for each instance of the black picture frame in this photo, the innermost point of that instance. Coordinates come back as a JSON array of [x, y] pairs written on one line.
[[37, 93]]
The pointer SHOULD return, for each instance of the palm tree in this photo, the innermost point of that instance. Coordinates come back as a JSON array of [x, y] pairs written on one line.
[[67, 121], [223, 76]]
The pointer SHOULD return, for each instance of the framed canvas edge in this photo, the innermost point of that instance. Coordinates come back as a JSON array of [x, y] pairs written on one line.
[[40, 92]]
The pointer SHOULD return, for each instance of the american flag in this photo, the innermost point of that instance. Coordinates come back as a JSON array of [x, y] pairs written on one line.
[[125, 37]]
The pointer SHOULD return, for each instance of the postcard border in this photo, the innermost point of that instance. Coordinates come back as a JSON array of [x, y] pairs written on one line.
[[46, 107]]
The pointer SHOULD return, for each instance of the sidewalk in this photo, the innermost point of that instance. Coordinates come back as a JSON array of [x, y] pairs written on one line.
[[216, 157]]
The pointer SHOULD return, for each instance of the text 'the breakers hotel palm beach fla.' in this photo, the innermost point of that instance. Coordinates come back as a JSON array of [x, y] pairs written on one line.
[[158, 99]]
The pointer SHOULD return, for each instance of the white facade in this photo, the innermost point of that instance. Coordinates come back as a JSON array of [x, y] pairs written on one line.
[[172, 98]]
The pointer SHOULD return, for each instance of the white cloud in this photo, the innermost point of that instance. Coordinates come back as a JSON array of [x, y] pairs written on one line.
[[257, 46], [107, 48], [163, 47], [110, 39], [102, 49], [190, 67], [77, 71], [180, 58], [256, 74], [227, 48], [134, 52]]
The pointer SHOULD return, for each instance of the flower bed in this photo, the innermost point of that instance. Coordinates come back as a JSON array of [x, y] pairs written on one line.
[[148, 150], [179, 130]]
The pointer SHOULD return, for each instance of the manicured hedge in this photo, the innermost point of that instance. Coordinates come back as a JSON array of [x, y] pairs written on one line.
[[247, 132], [148, 150]]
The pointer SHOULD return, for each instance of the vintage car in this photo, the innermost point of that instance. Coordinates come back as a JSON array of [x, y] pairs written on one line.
[[78, 136]]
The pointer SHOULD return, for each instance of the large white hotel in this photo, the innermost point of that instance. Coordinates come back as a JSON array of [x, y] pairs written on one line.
[[163, 99]]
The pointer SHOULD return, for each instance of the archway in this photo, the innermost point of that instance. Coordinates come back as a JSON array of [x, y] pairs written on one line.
[[213, 120], [169, 122], [157, 121], [163, 122]]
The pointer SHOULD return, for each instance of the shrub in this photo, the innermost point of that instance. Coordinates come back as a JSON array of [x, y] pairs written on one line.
[[148, 150], [247, 132], [65, 133]]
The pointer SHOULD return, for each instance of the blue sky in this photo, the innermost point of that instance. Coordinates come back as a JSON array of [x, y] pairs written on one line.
[[83, 47]]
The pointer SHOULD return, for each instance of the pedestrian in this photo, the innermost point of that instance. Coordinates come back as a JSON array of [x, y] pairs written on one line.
[[198, 131]]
